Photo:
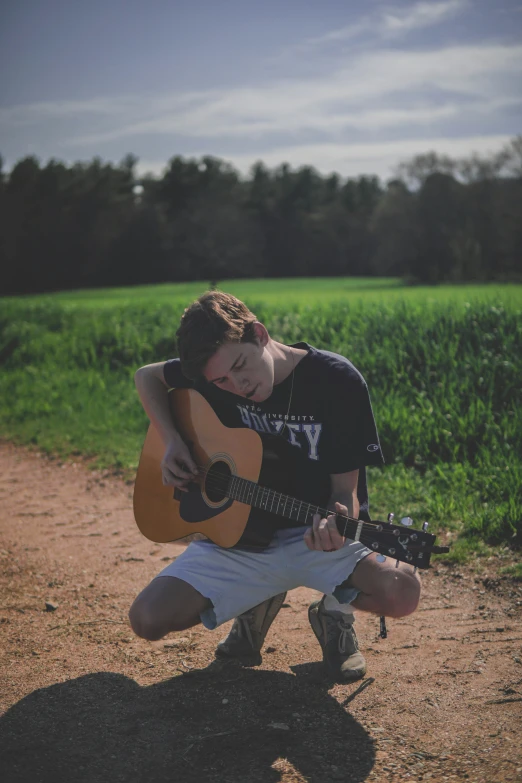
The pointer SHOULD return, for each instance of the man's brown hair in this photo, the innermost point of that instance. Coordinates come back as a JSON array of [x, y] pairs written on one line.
[[212, 320]]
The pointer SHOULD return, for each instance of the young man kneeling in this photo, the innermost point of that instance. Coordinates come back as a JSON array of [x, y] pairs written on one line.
[[312, 411]]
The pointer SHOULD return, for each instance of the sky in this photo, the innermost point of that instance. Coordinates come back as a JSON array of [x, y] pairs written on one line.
[[351, 87]]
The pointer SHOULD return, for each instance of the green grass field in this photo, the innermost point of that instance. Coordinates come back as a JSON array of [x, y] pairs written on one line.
[[444, 367], [301, 293]]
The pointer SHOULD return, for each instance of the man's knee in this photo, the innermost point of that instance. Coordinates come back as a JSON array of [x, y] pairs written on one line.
[[165, 606], [151, 625], [144, 623], [403, 594]]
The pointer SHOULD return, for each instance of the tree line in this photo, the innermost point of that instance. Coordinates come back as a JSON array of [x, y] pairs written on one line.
[[99, 224]]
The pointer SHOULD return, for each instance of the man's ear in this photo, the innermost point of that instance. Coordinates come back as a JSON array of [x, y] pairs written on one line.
[[261, 333]]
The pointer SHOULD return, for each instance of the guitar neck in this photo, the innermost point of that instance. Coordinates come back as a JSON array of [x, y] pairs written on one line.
[[385, 538], [285, 506]]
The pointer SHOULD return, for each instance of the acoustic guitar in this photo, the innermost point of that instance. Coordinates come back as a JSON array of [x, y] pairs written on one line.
[[219, 502]]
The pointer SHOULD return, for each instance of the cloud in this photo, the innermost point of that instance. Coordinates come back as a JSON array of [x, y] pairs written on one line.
[[385, 24], [372, 92], [421, 15], [114, 106]]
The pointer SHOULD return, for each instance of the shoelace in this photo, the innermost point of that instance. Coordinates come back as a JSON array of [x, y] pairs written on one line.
[[345, 636]]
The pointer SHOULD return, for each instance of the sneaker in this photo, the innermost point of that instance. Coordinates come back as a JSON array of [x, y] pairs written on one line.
[[248, 632], [336, 635]]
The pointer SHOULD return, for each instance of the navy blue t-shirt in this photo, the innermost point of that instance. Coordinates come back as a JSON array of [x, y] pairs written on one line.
[[330, 429]]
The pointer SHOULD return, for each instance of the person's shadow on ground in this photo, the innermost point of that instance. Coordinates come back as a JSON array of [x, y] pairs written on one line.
[[223, 723]]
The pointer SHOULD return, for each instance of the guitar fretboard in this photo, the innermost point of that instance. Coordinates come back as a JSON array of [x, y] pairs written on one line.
[[412, 546], [253, 494]]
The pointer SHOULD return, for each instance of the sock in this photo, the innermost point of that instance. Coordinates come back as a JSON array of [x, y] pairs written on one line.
[[333, 606]]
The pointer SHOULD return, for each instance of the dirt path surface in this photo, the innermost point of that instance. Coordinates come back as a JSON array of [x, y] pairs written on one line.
[[85, 700]]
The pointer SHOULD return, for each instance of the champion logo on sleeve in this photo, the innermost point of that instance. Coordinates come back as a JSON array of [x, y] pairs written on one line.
[[372, 447]]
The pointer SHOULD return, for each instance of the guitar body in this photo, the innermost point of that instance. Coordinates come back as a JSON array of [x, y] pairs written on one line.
[[163, 514]]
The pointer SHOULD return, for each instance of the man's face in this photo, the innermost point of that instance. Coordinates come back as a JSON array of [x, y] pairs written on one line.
[[245, 369]]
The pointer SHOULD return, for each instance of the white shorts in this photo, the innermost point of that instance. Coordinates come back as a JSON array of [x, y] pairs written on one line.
[[235, 580]]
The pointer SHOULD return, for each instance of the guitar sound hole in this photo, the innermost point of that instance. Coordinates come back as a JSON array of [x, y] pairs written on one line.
[[217, 481]]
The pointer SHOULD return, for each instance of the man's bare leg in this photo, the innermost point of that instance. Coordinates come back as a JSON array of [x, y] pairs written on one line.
[[385, 589], [167, 604]]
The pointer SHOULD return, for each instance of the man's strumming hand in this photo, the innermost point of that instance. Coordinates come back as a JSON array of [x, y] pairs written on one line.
[[177, 466]]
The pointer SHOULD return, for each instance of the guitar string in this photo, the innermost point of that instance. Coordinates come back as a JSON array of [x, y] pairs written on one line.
[[220, 482], [368, 529]]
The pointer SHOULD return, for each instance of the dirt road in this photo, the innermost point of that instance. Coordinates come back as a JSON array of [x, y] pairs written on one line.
[[86, 701]]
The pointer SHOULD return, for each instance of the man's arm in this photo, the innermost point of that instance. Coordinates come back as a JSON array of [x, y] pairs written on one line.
[[177, 466], [344, 491], [324, 535], [153, 393]]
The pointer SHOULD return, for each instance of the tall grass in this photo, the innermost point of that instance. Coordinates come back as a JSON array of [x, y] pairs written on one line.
[[301, 292], [445, 380]]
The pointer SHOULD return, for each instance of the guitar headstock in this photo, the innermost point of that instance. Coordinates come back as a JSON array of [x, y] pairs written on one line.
[[402, 542]]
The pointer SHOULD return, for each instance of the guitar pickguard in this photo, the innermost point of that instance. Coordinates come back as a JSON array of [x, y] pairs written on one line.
[[193, 508]]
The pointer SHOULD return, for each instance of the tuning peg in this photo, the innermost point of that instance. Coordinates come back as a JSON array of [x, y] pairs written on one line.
[[407, 521], [391, 517], [424, 528]]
